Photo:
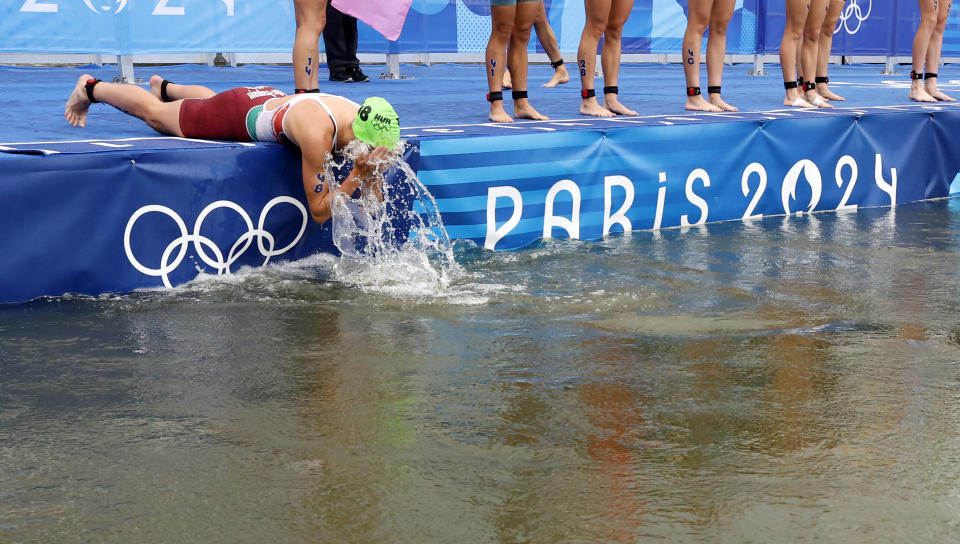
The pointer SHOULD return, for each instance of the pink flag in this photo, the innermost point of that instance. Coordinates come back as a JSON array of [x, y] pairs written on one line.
[[385, 16]]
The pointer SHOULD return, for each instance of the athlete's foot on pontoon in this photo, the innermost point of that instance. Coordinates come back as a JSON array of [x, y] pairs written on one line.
[[719, 102], [498, 114], [931, 87], [816, 100], [523, 110], [794, 100], [697, 103], [590, 106], [75, 112], [823, 91], [919, 94], [560, 76], [942, 97], [172, 90], [612, 104], [156, 82]]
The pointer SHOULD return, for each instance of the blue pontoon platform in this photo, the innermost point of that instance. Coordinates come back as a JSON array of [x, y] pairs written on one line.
[[115, 207]]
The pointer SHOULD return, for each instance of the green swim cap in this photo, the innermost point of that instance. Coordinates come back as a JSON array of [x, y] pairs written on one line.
[[377, 123]]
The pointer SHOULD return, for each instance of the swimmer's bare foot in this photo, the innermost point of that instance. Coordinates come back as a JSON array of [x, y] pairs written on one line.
[[611, 102], [498, 114], [794, 100], [697, 103], [942, 97], [919, 94], [75, 112], [560, 76], [931, 88], [155, 83], [590, 106], [523, 110], [816, 100], [717, 101], [507, 81], [823, 91]]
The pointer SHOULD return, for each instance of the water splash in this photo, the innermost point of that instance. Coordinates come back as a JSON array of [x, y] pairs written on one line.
[[391, 238]]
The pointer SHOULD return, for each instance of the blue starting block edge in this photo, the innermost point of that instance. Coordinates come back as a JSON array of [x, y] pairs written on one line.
[[138, 144]]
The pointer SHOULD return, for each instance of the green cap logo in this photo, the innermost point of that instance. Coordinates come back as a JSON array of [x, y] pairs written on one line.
[[377, 123]]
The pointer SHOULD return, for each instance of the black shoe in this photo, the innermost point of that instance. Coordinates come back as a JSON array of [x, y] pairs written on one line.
[[340, 76], [358, 75]]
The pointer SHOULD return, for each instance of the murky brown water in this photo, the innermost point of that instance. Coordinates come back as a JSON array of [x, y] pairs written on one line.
[[793, 380]]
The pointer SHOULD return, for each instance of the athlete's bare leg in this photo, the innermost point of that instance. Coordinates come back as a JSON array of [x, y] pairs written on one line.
[[929, 14], [598, 12], [717, 48], [789, 47], [133, 100], [311, 17], [697, 21], [810, 49], [526, 14], [824, 46], [176, 91], [610, 55], [496, 57], [800, 58], [548, 40], [934, 50]]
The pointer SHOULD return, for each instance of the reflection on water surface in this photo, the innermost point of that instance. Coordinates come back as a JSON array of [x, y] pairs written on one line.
[[789, 380]]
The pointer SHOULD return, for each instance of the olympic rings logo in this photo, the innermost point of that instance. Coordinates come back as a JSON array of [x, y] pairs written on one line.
[[265, 240], [853, 14]]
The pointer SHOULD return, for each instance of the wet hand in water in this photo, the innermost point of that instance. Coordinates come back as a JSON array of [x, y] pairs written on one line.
[[366, 165]]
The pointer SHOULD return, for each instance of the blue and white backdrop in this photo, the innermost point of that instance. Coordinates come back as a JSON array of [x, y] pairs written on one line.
[[124, 27]]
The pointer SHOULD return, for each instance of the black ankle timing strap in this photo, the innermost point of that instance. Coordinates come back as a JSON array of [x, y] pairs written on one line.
[[89, 88], [929, 75], [557, 63], [517, 95], [163, 91], [809, 85], [914, 75], [713, 89], [301, 91], [587, 93], [612, 89], [493, 96], [789, 85], [821, 79], [693, 91]]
